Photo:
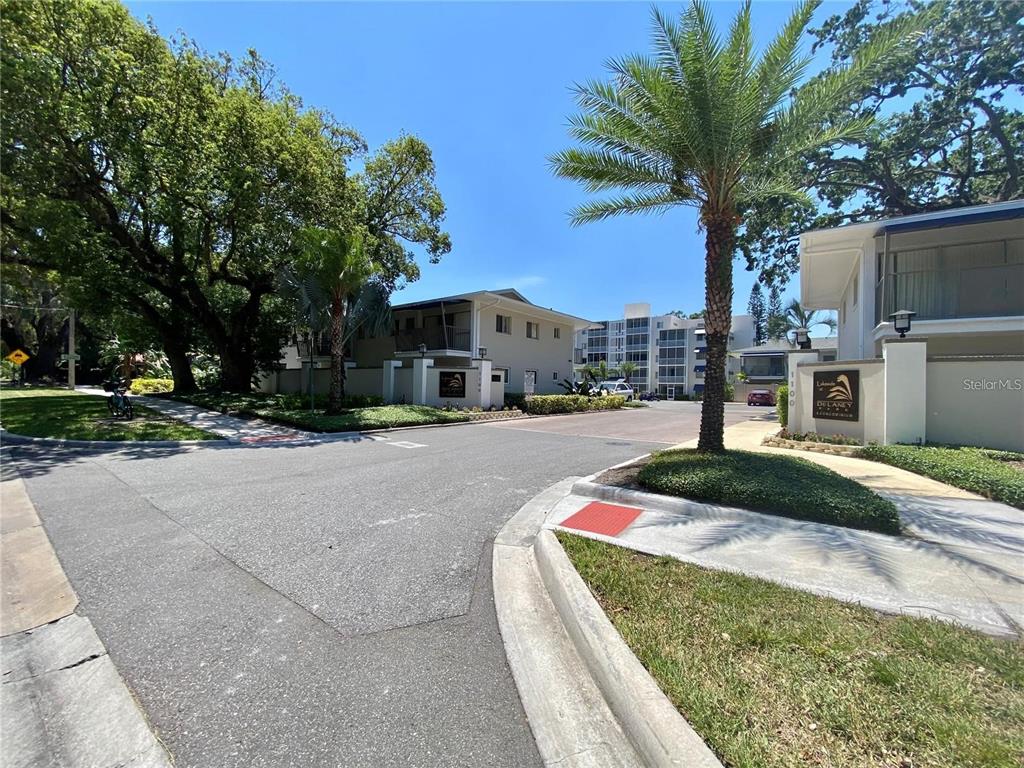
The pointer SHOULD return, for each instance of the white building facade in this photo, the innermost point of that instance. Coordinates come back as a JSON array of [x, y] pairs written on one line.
[[958, 375], [668, 350], [466, 350]]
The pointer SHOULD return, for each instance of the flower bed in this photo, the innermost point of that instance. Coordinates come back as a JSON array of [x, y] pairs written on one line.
[[838, 445]]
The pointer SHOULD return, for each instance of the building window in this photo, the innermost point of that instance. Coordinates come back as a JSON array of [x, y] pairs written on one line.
[[410, 323], [499, 375], [532, 330], [558, 332], [554, 376], [503, 324]]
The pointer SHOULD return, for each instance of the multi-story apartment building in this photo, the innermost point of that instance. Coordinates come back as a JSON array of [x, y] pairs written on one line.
[[668, 350]]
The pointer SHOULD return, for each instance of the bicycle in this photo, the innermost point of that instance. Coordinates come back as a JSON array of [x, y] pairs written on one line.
[[119, 404]]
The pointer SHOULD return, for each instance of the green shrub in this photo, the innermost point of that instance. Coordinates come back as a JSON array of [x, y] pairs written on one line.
[[987, 473], [772, 483], [730, 392], [546, 404], [149, 386], [515, 400], [782, 404]]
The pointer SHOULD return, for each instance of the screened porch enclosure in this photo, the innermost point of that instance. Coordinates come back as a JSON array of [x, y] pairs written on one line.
[[982, 279]]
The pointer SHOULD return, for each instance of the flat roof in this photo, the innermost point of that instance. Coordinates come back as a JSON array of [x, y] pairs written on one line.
[[504, 297]]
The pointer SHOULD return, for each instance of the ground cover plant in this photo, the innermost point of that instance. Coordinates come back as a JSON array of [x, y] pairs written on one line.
[[997, 475], [780, 485], [773, 677]]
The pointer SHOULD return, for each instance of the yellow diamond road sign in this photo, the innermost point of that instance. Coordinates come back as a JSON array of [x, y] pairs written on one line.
[[17, 357]]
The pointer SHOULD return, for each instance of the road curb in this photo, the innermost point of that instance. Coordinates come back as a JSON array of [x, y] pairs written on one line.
[[658, 732], [589, 700], [64, 701]]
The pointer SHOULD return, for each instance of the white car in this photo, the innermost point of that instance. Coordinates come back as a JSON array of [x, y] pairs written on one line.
[[620, 388]]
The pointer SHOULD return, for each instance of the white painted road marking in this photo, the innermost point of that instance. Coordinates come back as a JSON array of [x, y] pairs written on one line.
[[405, 444]]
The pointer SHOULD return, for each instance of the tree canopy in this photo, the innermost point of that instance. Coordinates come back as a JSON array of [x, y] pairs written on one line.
[[175, 184], [946, 133]]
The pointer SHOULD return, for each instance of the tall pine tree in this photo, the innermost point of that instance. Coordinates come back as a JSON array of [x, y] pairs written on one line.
[[756, 308], [775, 325]]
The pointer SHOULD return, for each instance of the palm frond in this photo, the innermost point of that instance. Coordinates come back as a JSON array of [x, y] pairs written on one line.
[[616, 206], [781, 68], [600, 170]]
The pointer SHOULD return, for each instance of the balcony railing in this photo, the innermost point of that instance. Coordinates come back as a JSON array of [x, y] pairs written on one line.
[[439, 338]]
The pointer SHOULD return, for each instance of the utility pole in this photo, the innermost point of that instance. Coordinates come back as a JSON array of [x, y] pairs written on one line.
[[72, 357]]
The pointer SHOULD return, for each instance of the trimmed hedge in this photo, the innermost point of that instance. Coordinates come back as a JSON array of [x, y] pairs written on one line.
[[782, 404], [987, 473], [771, 483], [545, 404], [149, 386]]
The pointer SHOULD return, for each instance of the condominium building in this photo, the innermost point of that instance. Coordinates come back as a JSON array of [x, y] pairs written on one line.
[[668, 350]]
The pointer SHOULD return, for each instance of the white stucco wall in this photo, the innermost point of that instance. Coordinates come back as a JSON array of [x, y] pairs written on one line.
[[976, 402], [472, 377], [870, 425], [546, 355]]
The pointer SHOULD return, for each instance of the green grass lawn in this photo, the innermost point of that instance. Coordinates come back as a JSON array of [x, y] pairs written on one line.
[[776, 484], [70, 415], [997, 475], [773, 677], [293, 411]]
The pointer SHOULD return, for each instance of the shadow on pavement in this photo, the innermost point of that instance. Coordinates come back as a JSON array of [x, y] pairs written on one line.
[[35, 460], [872, 553]]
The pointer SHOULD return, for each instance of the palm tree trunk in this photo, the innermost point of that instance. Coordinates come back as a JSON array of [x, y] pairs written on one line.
[[719, 243], [339, 309]]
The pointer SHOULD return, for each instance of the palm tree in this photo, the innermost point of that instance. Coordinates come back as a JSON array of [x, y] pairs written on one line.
[[335, 278], [627, 369], [708, 124], [602, 372], [796, 317]]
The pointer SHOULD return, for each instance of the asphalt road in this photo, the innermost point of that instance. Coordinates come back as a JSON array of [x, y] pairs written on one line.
[[322, 605], [666, 422]]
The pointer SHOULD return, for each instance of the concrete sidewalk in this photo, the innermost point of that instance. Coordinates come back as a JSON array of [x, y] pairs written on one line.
[[961, 560], [229, 427], [929, 510], [62, 701]]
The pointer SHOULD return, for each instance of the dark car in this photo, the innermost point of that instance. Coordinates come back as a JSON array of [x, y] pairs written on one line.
[[760, 397]]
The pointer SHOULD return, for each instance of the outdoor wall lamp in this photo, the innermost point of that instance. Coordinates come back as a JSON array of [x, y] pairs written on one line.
[[803, 338], [423, 349], [901, 321], [481, 352]]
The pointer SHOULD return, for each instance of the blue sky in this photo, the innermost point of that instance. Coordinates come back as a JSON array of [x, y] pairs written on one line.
[[487, 86]]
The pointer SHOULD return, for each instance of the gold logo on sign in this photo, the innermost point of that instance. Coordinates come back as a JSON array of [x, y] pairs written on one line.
[[841, 390]]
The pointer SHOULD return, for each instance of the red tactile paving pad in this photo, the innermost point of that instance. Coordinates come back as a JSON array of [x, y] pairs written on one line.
[[606, 519]]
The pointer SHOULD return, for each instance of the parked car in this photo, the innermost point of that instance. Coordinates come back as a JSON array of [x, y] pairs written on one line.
[[650, 396], [760, 397], [620, 388]]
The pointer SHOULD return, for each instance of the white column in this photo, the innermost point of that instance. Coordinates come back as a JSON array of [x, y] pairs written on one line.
[[485, 383], [387, 390], [906, 365], [419, 379], [796, 397]]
